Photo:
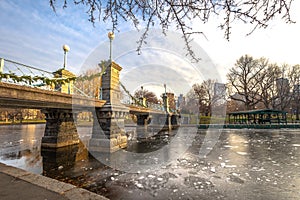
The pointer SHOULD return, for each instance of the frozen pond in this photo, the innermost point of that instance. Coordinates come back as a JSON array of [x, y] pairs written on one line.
[[244, 164]]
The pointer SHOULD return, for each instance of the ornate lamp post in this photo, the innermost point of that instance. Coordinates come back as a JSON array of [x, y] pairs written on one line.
[[66, 48], [111, 36], [142, 92]]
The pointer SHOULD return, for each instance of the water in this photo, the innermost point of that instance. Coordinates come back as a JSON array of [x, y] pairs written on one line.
[[244, 164]]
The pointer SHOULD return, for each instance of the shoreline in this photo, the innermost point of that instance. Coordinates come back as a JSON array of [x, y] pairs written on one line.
[[26, 180]]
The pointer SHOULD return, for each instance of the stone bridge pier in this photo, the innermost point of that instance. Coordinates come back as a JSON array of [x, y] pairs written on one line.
[[108, 133], [149, 124], [60, 130]]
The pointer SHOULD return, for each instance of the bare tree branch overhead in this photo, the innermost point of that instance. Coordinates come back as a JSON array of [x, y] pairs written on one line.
[[166, 13]]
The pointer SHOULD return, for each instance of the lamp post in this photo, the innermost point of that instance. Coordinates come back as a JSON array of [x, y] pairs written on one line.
[[111, 36], [142, 91], [291, 109], [66, 48]]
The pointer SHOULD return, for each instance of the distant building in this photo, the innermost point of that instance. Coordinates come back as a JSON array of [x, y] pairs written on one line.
[[180, 100], [282, 85], [219, 90]]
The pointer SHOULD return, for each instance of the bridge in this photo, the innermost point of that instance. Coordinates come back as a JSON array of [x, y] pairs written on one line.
[[61, 101]]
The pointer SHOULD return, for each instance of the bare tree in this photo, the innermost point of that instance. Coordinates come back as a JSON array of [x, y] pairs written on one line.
[[89, 84], [150, 96], [167, 13], [199, 92], [286, 88], [267, 83], [190, 103], [294, 76], [205, 93], [243, 81]]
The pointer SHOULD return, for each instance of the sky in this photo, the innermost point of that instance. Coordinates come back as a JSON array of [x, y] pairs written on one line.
[[32, 34]]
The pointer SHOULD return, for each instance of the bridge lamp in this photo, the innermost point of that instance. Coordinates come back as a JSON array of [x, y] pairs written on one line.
[[111, 36], [66, 48], [142, 91]]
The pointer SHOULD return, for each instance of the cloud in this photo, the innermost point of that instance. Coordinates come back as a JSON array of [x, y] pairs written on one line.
[[278, 42], [33, 34]]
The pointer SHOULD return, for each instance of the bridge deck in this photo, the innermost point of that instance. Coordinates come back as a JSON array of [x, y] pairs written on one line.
[[14, 96], [139, 110]]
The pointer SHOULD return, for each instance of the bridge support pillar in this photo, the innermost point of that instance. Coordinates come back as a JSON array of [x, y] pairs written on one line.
[[109, 127], [108, 133], [142, 125], [60, 128], [175, 121]]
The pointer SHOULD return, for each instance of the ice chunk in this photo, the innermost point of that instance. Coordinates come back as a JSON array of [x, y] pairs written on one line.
[[242, 153], [213, 169], [139, 185]]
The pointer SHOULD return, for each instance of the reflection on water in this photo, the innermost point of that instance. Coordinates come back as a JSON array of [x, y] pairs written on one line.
[[20, 146], [251, 164]]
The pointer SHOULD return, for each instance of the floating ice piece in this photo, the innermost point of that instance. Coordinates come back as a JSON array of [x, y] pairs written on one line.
[[234, 177], [139, 185], [150, 176], [242, 153], [258, 169], [229, 146], [230, 166], [213, 169], [296, 145], [160, 179]]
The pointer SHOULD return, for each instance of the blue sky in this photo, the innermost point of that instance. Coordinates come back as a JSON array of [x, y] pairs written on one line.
[[31, 33]]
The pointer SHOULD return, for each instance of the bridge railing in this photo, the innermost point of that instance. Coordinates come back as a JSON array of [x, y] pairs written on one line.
[[21, 74], [129, 99], [17, 73]]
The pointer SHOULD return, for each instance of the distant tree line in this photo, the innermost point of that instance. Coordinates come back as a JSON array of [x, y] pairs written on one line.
[[8, 115], [251, 84]]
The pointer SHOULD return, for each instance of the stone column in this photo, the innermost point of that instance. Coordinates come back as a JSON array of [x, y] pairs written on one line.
[[108, 134], [175, 121], [66, 87], [60, 128], [143, 120], [109, 129]]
